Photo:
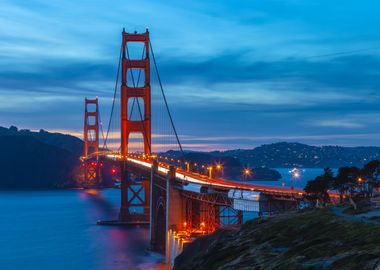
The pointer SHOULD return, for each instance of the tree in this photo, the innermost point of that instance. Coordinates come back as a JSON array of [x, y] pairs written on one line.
[[13, 129], [346, 181], [370, 175], [318, 188]]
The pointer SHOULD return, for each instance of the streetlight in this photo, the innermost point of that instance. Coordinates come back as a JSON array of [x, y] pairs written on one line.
[[209, 171], [203, 225], [295, 175], [220, 169], [246, 173], [360, 181]]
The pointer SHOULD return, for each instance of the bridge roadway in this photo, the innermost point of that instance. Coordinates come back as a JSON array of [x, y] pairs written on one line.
[[218, 183]]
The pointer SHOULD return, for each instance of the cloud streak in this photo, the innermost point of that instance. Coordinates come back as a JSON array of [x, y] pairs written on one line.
[[243, 70]]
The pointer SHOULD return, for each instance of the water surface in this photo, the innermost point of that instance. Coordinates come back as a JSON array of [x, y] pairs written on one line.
[[57, 230]]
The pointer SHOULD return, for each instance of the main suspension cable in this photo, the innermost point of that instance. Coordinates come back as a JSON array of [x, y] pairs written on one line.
[[114, 97]]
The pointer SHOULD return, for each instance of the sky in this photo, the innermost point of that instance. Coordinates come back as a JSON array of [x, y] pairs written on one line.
[[237, 74]]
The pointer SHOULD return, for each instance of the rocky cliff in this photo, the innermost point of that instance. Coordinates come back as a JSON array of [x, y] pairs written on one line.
[[314, 239]]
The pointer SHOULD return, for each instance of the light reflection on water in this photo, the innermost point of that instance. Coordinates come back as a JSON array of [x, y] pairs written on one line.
[[57, 230]]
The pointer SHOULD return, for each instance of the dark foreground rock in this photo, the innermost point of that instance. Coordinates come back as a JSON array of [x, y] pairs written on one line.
[[314, 239]]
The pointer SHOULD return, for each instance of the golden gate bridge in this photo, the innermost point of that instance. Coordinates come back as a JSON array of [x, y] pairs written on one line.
[[177, 198]]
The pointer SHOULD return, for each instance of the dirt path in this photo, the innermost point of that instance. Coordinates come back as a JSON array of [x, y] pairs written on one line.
[[361, 217]]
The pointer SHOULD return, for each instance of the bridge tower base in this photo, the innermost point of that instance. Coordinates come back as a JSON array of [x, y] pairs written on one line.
[[135, 196]]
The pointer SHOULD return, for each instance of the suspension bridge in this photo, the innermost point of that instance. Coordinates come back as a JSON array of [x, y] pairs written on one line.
[[178, 198]]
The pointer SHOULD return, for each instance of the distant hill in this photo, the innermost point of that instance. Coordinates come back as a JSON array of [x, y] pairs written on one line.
[[284, 154], [37, 159], [232, 166], [67, 142]]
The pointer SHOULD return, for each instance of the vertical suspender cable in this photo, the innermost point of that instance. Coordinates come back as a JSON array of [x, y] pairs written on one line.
[[165, 101]]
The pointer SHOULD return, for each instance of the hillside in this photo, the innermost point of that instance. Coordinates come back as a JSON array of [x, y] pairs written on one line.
[[232, 166], [315, 239], [66, 142], [285, 155], [37, 159]]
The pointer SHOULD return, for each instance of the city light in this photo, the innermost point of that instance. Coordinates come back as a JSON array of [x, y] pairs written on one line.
[[295, 173], [246, 173]]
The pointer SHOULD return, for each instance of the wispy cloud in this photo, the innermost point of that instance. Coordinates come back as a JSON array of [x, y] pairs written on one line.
[[239, 70]]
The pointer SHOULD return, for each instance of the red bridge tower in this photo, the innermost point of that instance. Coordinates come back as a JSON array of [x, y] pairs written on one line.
[[91, 143], [135, 189], [129, 90]]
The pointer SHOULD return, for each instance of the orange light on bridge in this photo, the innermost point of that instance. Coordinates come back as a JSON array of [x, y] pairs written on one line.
[[246, 173], [360, 179], [185, 224], [203, 224], [219, 167], [209, 171]]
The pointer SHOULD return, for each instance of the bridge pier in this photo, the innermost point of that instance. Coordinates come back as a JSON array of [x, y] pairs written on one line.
[[135, 197], [167, 211]]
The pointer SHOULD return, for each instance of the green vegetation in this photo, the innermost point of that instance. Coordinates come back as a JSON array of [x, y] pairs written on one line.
[[313, 239], [350, 182]]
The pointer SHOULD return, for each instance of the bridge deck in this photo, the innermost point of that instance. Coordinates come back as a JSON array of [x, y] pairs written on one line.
[[218, 183]]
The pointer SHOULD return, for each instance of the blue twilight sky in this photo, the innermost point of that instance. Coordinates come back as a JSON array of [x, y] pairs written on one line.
[[236, 73]]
